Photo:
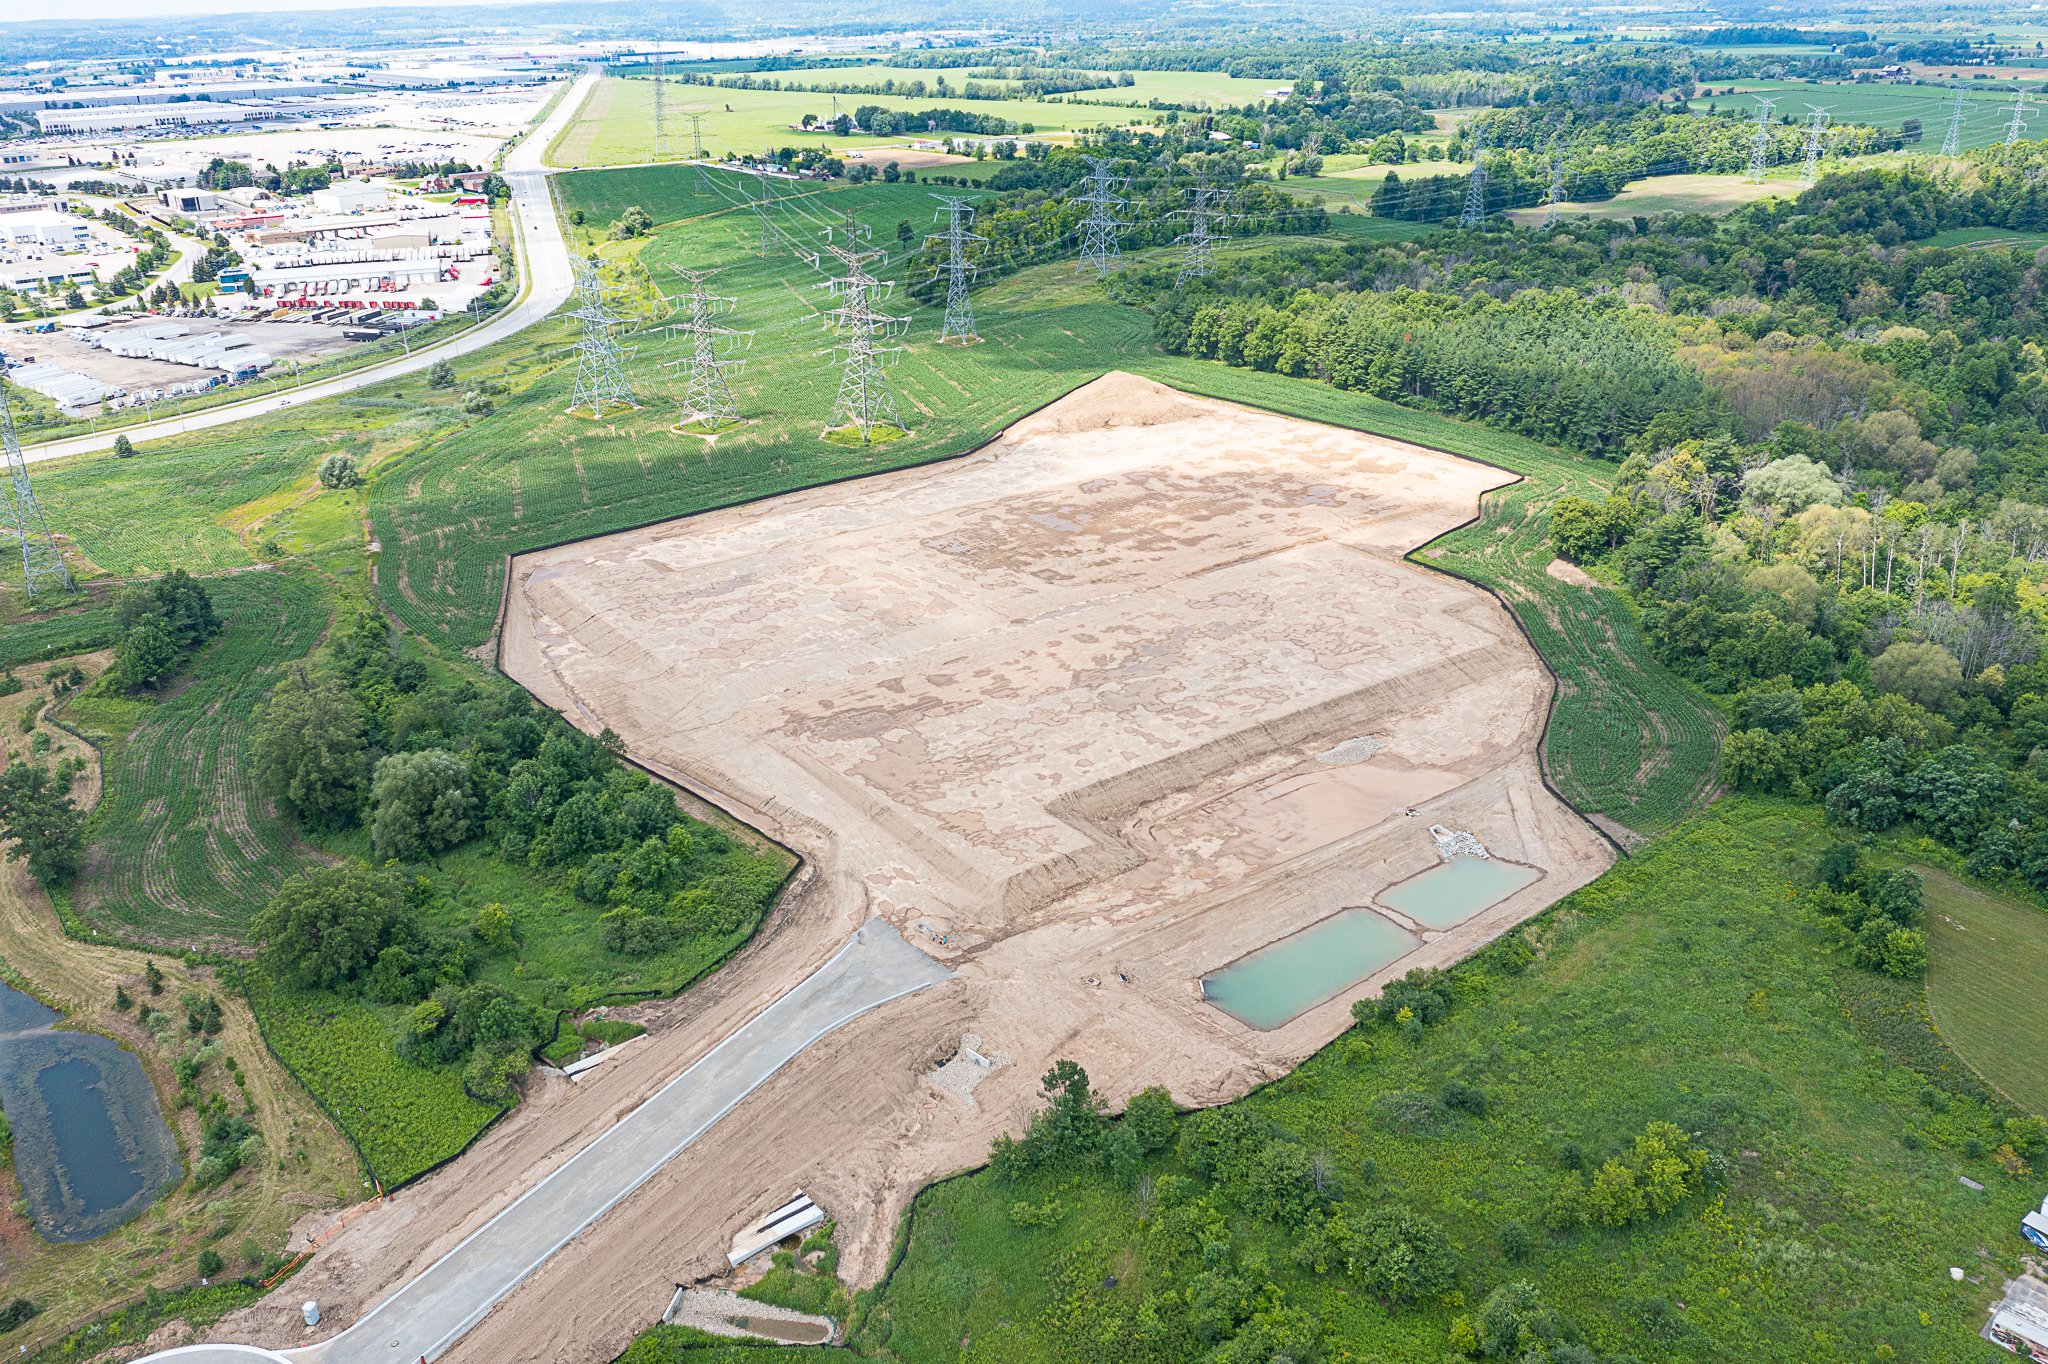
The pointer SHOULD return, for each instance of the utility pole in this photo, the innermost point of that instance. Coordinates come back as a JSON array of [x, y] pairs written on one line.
[[1810, 170], [1556, 194], [660, 107], [865, 400], [600, 362], [1952, 141], [707, 396], [1099, 228], [1475, 184], [2018, 126], [1760, 146], [42, 563], [1198, 242], [959, 216]]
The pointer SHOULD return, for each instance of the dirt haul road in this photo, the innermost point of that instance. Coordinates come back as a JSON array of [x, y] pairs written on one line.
[[1141, 687]]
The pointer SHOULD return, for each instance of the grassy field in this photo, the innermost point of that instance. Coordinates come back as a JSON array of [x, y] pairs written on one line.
[[184, 850], [1884, 106], [1987, 957], [616, 125], [1672, 194], [1185, 89], [1988, 238], [1686, 985]]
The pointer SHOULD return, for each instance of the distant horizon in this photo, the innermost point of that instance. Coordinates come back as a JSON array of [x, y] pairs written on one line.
[[199, 9]]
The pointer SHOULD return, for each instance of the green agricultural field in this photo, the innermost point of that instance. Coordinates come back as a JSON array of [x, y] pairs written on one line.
[[1988, 239], [76, 628], [1985, 111], [616, 125], [1987, 957], [1186, 89], [1686, 985], [184, 848]]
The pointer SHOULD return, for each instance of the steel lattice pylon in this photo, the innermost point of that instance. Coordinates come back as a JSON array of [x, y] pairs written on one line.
[[2018, 126], [660, 107], [1556, 195], [1474, 212], [1952, 141], [1760, 146], [865, 399], [707, 394], [600, 362], [1809, 170], [1099, 228], [1198, 242], [959, 215], [42, 563]]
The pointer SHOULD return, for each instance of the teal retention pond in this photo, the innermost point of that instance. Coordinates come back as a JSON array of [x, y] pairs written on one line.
[[90, 1143], [1447, 895], [1280, 982]]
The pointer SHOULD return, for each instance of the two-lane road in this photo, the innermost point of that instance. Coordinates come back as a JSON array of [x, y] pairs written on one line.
[[543, 256]]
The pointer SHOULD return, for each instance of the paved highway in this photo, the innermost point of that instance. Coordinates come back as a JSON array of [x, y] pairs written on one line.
[[543, 257]]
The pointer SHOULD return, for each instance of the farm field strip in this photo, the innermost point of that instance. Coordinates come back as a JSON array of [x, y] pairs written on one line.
[[1987, 957]]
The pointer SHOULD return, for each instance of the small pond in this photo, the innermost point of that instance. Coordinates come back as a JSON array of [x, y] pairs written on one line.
[[1447, 895], [90, 1144], [1277, 983]]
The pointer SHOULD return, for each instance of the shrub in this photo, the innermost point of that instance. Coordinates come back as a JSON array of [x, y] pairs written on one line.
[[124, 448], [209, 1263], [441, 374], [339, 470]]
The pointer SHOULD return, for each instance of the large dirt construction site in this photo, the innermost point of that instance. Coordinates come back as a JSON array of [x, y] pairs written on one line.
[[1137, 689]]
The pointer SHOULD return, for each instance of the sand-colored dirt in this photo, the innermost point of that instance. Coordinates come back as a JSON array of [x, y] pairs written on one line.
[[1064, 711]]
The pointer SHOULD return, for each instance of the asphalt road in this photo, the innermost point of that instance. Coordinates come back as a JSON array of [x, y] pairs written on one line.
[[543, 256], [431, 1312]]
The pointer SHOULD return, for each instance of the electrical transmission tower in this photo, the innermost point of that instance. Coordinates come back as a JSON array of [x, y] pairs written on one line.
[[959, 216], [696, 117], [707, 395], [1099, 228], [1199, 241], [1760, 147], [761, 211], [1556, 195], [1952, 141], [42, 563], [865, 400], [1475, 185], [660, 107], [600, 362], [2018, 126], [1809, 170]]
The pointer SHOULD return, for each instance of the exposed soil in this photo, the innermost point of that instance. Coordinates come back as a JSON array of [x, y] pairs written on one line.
[[1058, 710]]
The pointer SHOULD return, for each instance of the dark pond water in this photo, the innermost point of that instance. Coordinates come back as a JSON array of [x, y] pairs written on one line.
[[90, 1144]]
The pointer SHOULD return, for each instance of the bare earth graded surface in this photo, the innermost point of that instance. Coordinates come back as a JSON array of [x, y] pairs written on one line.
[[1078, 714]]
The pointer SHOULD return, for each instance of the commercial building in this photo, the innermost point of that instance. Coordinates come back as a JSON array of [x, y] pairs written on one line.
[[186, 114], [350, 196], [57, 231]]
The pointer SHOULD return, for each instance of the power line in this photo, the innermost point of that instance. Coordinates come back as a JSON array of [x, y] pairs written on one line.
[[707, 398], [1474, 212], [1760, 148], [865, 400], [1198, 242], [1952, 141], [1810, 169], [1099, 228], [42, 563], [959, 215], [600, 362]]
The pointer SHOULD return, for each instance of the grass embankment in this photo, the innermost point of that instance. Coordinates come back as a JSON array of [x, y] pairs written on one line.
[[1689, 984], [302, 1164], [1987, 959]]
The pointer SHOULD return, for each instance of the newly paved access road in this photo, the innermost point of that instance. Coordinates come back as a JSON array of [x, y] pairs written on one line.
[[543, 259], [432, 1312]]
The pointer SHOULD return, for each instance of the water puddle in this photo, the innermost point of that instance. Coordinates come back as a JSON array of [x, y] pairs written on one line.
[[90, 1144], [1293, 975], [1447, 895]]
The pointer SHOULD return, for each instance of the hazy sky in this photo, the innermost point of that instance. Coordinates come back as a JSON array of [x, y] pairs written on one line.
[[16, 10]]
